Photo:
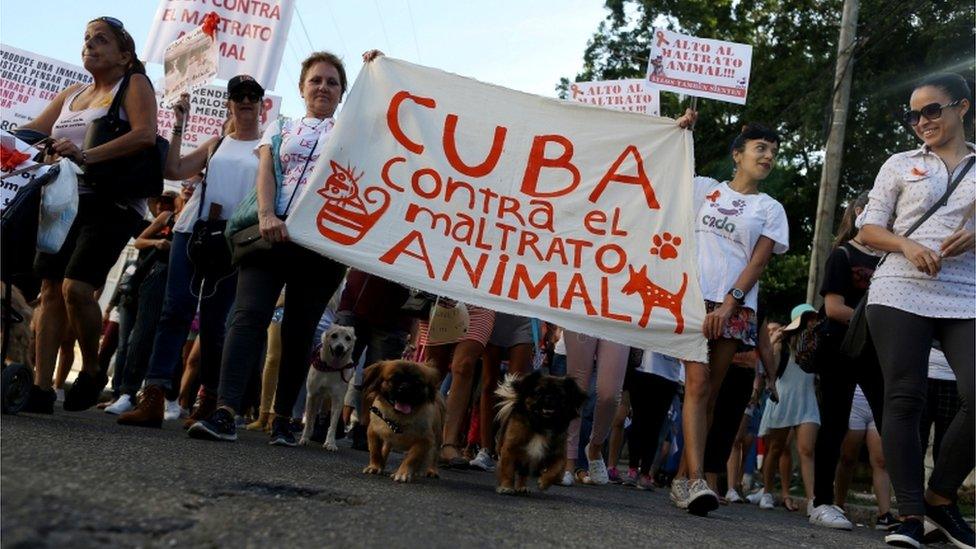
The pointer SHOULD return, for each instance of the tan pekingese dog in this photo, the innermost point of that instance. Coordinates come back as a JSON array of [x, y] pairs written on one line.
[[406, 413]]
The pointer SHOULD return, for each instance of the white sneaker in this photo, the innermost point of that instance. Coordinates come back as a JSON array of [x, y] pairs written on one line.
[[830, 516], [120, 406], [173, 410], [701, 498], [733, 496], [679, 492], [598, 473], [754, 497], [483, 461], [59, 393], [567, 479], [767, 501]]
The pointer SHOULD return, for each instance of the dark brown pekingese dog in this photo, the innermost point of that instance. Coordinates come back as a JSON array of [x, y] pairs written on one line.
[[533, 416], [406, 413]]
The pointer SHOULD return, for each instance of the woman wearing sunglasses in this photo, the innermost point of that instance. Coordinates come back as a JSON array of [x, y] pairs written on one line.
[[924, 290], [104, 223], [231, 169]]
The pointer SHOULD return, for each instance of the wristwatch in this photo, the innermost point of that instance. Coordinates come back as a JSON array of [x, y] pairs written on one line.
[[738, 295]]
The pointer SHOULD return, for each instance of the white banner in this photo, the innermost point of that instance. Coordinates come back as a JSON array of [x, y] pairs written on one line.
[[190, 63], [700, 66], [208, 111], [519, 203], [622, 95], [251, 35], [29, 81]]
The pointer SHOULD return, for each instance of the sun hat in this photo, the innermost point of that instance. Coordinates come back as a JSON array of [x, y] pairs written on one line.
[[797, 315]]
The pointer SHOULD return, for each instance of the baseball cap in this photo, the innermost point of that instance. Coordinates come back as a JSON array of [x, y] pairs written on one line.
[[244, 82]]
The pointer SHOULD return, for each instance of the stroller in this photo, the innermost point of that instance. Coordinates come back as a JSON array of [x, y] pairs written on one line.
[[18, 238]]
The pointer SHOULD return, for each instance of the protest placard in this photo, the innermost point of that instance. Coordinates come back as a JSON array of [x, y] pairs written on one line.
[[208, 112], [29, 81], [701, 67], [190, 62], [251, 35], [515, 202], [623, 95]]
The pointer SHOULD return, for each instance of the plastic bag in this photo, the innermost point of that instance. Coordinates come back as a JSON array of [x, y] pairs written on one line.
[[59, 206]]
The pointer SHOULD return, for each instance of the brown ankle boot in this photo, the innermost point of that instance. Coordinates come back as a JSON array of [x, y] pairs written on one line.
[[149, 410], [206, 406]]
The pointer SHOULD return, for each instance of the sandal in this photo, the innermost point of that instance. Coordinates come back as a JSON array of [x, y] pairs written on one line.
[[789, 505], [456, 462]]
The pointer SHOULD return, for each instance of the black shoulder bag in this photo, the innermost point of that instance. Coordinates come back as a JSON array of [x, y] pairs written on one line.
[[208, 250], [137, 175], [857, 334], [812, 341]]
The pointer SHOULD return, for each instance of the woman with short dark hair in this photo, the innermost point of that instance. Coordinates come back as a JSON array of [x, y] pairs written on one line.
[[738, 229]]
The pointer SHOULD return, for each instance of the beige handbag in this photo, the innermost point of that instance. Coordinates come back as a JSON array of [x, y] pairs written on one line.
[[448, 322]]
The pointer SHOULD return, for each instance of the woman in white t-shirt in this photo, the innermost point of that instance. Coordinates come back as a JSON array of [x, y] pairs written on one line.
[[738, 229], [231, 168]]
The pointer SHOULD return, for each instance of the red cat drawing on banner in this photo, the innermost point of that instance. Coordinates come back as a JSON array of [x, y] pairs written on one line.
[[345, 217]]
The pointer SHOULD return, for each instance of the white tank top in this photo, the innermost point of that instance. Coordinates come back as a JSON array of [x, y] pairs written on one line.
[[231, 175], [73, 125]]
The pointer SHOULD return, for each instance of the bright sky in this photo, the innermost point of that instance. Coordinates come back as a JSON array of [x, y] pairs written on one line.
[[524, 45]]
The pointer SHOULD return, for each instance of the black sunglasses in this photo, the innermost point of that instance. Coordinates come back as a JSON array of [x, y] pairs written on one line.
[[253, 96], [932, 111]]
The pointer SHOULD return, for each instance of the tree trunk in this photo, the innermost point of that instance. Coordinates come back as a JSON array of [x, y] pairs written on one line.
[[827, 201]]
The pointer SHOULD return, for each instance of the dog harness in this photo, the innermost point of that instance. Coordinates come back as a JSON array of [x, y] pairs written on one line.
[[394, 426], [334, 366]]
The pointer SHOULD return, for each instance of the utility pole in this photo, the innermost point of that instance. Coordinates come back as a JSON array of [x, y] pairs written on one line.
[[830, 176]]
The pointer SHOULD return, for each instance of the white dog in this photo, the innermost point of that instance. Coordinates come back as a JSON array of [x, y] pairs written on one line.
[[329, 376]]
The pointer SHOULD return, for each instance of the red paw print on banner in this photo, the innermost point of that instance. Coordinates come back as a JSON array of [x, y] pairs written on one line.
[[665, 245]]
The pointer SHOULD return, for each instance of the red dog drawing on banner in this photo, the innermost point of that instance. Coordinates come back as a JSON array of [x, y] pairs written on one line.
[[655, 296], [344, 217]]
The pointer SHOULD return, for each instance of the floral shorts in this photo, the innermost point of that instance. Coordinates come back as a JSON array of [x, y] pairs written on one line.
[[741, 326]]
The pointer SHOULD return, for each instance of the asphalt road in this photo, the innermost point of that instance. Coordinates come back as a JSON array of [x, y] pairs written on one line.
[[80, 480]]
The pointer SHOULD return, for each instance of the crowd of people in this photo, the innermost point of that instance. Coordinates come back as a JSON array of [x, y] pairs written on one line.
[[226, 342]]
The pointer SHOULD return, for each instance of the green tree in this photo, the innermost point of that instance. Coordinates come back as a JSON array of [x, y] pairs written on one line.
[[794, 54]]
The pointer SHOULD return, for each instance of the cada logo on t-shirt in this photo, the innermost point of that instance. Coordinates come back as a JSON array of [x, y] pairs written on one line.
[[721, 215]]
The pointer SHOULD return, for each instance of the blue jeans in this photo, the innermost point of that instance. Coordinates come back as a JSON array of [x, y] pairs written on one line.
[[140, 341], [179, 307], [558, 366], [586, 425], [127, 318]]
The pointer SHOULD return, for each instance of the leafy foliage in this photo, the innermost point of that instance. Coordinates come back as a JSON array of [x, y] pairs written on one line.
[[794, 55]]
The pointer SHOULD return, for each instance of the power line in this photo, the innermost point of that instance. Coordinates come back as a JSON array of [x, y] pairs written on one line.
[[301, 21], [379, 12], [413, 28], [335, 24], [294, 52]]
